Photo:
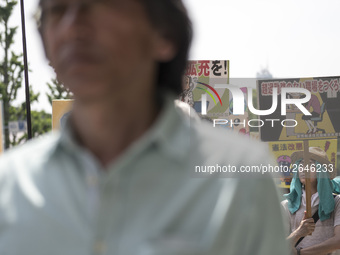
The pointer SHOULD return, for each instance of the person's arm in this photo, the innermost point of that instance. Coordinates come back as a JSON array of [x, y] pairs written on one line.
[[325, 247], [306, 227]]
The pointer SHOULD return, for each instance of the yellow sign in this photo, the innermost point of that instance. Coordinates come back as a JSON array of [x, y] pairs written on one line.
[[283, 151], [292, 124], [60, 109]]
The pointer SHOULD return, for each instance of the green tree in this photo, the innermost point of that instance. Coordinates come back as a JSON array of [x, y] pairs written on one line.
[[11, 79], [11, 67], [41, 124], [41, 121], [57, 91]]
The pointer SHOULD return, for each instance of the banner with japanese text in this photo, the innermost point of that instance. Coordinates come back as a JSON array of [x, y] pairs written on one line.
[[324, 106], [200, 78], [282, 152]]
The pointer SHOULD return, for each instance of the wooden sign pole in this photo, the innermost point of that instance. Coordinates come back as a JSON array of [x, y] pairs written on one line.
[[307, 179]]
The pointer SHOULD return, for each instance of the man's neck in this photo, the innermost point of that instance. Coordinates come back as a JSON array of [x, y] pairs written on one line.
[[108, 128], [313, 189]]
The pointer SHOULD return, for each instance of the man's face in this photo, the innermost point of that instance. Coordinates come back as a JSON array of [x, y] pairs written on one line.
[[100, 47], [312, 173]]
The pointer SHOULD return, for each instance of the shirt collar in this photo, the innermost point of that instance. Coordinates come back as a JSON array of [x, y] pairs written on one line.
[[314, 199], [169, 134]]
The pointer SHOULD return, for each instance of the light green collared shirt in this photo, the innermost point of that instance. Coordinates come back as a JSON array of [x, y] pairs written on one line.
[[55, 198]]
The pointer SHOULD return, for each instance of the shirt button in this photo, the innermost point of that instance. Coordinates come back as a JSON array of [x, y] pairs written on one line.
[[100, 247]]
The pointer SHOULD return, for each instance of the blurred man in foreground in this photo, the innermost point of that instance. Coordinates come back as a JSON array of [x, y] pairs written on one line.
[[120, 178]]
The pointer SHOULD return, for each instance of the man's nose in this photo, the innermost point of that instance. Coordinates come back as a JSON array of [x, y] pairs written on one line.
[[77, 12], [76, 20]]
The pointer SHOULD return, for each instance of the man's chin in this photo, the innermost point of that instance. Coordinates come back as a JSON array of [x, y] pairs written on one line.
[[84, 85], [87, 99], [91, 94]]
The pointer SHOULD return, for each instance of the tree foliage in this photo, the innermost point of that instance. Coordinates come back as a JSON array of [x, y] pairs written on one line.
[[41, 121], [11, 79], [57, 91], [11, 67]]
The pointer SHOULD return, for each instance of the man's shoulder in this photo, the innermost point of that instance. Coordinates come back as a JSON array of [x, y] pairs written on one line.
[[30, 153], [284, 204], [229, 144]]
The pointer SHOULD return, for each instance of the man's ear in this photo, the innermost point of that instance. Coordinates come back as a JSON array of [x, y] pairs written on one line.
[[164, 50]]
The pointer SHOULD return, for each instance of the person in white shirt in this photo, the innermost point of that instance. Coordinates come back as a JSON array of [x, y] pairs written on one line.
[[307, 236], [120, 177]]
